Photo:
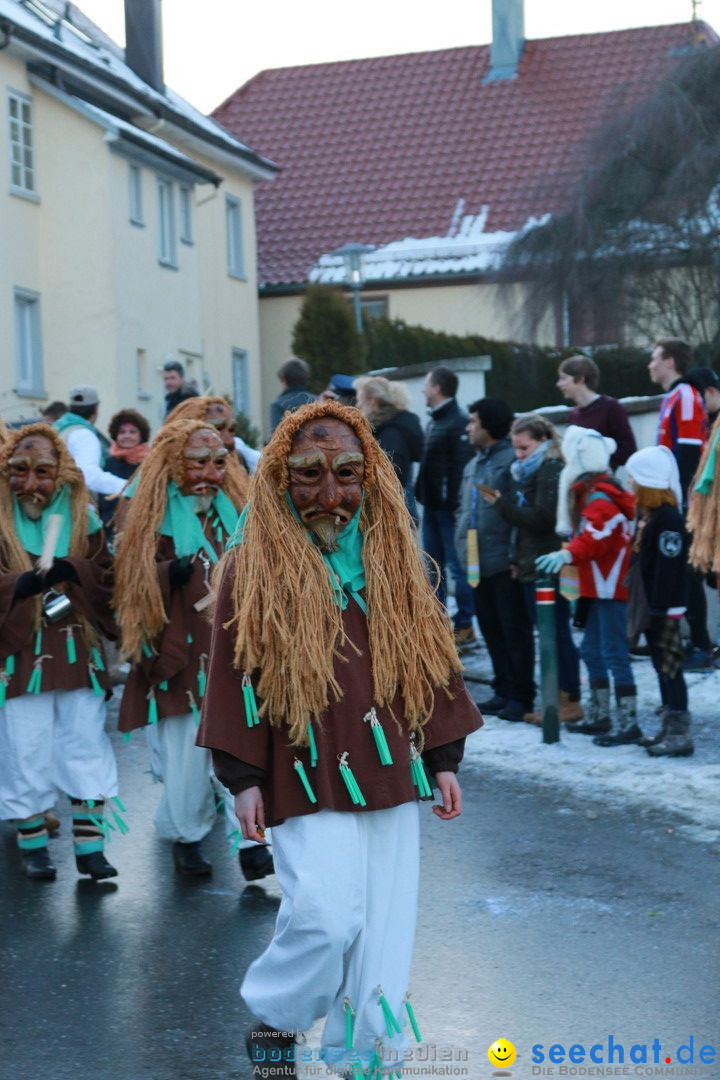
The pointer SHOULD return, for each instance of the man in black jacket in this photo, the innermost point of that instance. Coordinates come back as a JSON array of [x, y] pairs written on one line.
[[176, 389], [438, 489], [293, 377]]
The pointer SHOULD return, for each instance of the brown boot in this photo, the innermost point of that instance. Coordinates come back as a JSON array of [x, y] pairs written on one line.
[[569, 711]]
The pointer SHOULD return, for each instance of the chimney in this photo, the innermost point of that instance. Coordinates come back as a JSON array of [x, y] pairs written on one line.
[[143, 41], [508, 40]]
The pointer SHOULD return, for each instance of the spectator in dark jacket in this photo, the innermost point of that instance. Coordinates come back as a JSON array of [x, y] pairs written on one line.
[[578, 381], [130, 435], [176, 389], [531, 512], [398, 430], [707, 382], [293, 377], [498, 596], [438, 489]]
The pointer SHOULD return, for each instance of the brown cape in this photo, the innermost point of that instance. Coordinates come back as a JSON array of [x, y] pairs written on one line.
[[341, 728]]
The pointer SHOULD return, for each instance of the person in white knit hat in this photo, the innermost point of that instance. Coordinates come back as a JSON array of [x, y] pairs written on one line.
[[600, 513], [662, 546]]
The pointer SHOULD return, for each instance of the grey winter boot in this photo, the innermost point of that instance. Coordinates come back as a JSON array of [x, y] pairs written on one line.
[[653, 740], [597, 720], [676, 742], [627, 729]]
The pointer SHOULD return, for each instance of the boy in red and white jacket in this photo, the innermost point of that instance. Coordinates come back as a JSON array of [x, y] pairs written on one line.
[[600, 514]]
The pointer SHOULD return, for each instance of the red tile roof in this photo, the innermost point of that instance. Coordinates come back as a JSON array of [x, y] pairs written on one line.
[[377, 150]]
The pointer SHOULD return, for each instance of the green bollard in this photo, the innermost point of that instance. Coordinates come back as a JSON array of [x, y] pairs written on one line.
[[545, 604]]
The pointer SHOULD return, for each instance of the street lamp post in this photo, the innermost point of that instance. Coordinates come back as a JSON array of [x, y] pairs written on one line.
[[352, 255]]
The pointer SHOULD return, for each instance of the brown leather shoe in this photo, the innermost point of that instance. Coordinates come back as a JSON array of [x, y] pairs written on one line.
[[569, 711]]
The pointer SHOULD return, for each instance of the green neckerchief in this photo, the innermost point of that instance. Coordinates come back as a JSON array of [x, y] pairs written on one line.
[[707, 478], [345, 566], [31, 534], [185, 526], [71, 419]]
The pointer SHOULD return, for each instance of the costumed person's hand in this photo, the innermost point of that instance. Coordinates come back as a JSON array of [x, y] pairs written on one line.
[[61, 570], [451, 807], [180, 571], [250, 812], [28, 584], [553, 562]]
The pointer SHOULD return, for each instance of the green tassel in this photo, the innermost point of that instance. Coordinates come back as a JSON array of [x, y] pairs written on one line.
[[120, 804], [97, 658], [152, 708], [3, 690], [189, 639], [300, 770], [419, 776], [350, 782], [235, 839], [349, 1023], [193, 707], [201, 676], [163, 685], [393, 1028], [10, 666], [38, 642], [127, 736], [411, 1018], [251, 712], [120, 823], [219, 534], [379, 736], [97, 688], [70, 645], [313, 746], [147, 651], [34, 685]]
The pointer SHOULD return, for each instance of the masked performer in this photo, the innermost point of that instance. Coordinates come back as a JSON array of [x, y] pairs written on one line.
[[53, 672], [325, 614], [184, 508], [217, 412]]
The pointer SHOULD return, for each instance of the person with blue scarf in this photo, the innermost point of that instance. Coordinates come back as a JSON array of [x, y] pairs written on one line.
[[54, 680], [334, 702], [182, 510]]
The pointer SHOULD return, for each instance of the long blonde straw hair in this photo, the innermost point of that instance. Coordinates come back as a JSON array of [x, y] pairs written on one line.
[[12, 555], [138, 599], [287, 624], [703, 519]]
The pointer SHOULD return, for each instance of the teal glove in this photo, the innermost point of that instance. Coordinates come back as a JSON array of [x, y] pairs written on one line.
[[553, 562]]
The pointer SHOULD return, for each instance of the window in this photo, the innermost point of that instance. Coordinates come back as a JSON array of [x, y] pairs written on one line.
[[22, 170], [241, 392], [233, 220], [28, 344], [136, 201], [186, 221], [374, 307], [166, 220]]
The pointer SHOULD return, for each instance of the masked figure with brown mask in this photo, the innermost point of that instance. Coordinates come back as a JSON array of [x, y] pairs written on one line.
[[334, 695], [53, 671]]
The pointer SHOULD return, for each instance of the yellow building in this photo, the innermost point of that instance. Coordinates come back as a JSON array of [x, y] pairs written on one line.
[[127, 225]]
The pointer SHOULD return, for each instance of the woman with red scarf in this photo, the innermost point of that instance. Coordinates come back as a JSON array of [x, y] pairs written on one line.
[[130, 435]]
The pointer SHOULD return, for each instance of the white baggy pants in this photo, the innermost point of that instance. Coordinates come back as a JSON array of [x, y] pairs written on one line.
[[187, 807], [53, 742], [346, 925]]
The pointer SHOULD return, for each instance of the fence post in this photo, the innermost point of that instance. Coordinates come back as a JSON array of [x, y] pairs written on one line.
[[545, 604]]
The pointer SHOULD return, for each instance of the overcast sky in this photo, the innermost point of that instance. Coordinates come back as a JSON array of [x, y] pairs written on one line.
[[213, 46]]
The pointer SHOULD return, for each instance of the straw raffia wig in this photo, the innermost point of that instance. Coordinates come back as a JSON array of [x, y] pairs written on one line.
[[12, 555], [138, 599], [195, 408], [287, 624], [703, 519]]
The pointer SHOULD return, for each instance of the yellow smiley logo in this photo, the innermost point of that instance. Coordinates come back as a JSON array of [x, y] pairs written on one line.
[[502, 1053]]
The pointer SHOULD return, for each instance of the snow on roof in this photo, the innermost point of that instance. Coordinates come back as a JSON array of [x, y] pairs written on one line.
[[87, 45]]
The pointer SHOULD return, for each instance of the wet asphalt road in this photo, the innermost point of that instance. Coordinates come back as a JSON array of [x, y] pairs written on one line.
[[542, 921]]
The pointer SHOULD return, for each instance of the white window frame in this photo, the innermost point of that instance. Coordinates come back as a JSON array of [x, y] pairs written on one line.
[[21, 146], [167, 245], [135, 195], [241, 381], [234, 237], [186, 215], [29, 375]]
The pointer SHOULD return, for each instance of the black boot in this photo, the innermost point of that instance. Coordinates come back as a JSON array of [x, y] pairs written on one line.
[[189, 859], [677, 741], [256, 862], [96, 865], [38, 865], [627, 729], [597, 719], [264, 1043], [653, 740]]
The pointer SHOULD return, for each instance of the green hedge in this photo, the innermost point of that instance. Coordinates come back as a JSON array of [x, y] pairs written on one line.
[[525, 375]]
